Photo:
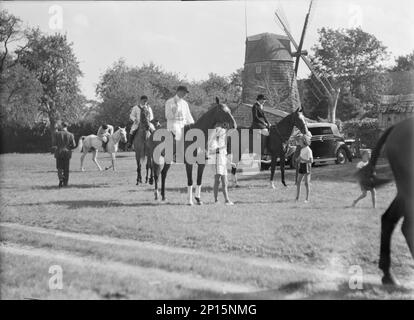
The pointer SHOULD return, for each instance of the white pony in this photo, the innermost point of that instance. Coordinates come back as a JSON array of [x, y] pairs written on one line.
[[93, 144]]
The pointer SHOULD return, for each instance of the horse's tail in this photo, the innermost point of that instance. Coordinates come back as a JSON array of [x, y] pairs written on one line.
[[366, 175], [80, 144]]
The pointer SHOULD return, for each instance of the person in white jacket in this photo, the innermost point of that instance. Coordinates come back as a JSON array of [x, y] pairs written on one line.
[[177, 113], [140, 115]]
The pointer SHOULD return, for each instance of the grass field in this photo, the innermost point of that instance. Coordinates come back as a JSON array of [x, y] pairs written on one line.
[[113, 240]]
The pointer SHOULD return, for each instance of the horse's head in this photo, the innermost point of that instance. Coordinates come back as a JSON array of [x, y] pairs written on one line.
[[299, 121], [222, 114], [123, 134], [156, 123]]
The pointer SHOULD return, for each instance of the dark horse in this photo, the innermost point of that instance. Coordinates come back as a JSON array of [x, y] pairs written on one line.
[[276, 141], [142, 151], [218, 113], [398, 141]]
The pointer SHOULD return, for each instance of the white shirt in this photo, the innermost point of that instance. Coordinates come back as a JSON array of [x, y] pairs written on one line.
[[136, 116], [177, 113], [361, 164], [306, 153], [217, 140]]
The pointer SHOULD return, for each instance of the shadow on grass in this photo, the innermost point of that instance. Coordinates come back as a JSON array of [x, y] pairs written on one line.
[[78, 204], [72, 186], [304, 290]]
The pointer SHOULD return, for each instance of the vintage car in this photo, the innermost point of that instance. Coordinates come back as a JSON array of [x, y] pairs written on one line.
[[328, 144]]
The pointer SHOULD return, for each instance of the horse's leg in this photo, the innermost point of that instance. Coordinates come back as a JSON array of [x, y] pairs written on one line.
[[113, 160], [156, 168], [282, 168], [272, 170], [407, 229], [147, 169], [189, 171], [388, 222], [200, 170], [163, 178], [138, 172], [82, 159], [95, 159]]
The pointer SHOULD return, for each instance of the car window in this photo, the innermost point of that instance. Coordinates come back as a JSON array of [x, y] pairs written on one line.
[[317, 131]]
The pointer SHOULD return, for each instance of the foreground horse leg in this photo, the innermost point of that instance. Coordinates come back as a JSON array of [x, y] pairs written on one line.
[[388, 222], [407, 229], [95, 160], [163, 178], [138, 172], [200, 170], [189, 171]]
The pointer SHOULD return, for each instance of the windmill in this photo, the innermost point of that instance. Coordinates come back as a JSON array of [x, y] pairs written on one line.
[[321, 86]]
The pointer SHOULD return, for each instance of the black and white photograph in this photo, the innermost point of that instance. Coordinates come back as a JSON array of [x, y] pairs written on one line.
[[224, 152]]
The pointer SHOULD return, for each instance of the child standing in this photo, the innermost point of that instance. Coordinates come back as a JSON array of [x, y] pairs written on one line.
[[217, 146], [305, 163], [365, 160]]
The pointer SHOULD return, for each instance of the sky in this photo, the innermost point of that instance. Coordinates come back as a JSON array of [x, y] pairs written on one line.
[[193, 39]]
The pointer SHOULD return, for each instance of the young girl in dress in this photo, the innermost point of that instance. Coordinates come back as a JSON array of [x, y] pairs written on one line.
[[365, 160], [305, 163], [218, 147]]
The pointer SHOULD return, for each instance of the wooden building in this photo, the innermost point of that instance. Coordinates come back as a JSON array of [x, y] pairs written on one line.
[[398, 103]]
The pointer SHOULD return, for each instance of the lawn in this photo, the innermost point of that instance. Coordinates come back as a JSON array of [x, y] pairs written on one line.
[[266, 242]]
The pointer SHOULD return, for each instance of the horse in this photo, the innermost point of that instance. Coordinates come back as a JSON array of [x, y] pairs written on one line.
[[398, 142], [142, 152], [218, 113], [93, 144], [278, 137]]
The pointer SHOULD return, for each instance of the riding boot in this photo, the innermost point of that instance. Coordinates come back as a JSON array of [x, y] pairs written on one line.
[[131, 139]]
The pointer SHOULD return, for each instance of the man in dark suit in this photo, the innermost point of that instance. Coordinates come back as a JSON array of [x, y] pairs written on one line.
[[259, 118], [64, 141], [260, 122]]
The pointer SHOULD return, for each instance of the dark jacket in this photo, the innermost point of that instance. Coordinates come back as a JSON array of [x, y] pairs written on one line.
[[259, 118], [64, 142]]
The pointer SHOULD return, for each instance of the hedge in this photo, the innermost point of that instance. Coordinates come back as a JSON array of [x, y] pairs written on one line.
[[366, 131], [37, 139]]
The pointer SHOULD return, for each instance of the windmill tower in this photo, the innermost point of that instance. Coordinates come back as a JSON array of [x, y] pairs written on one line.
[[268, 70]]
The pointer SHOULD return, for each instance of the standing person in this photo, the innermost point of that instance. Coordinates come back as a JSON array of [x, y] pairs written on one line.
[[365, 160], [178, 115], [104, 132], [305, 163], [64, 141], [140, 114], [217, 146]]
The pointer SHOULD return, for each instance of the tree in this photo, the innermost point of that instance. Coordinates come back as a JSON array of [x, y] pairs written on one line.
[[404, 63], [353, 61], [52, 60]]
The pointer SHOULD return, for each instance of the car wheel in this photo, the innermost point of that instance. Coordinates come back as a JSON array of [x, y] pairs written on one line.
[[341, 156]]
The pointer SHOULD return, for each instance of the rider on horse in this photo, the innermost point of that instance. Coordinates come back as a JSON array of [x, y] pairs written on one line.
[[260, 121], [142, 116], [104, 132]]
